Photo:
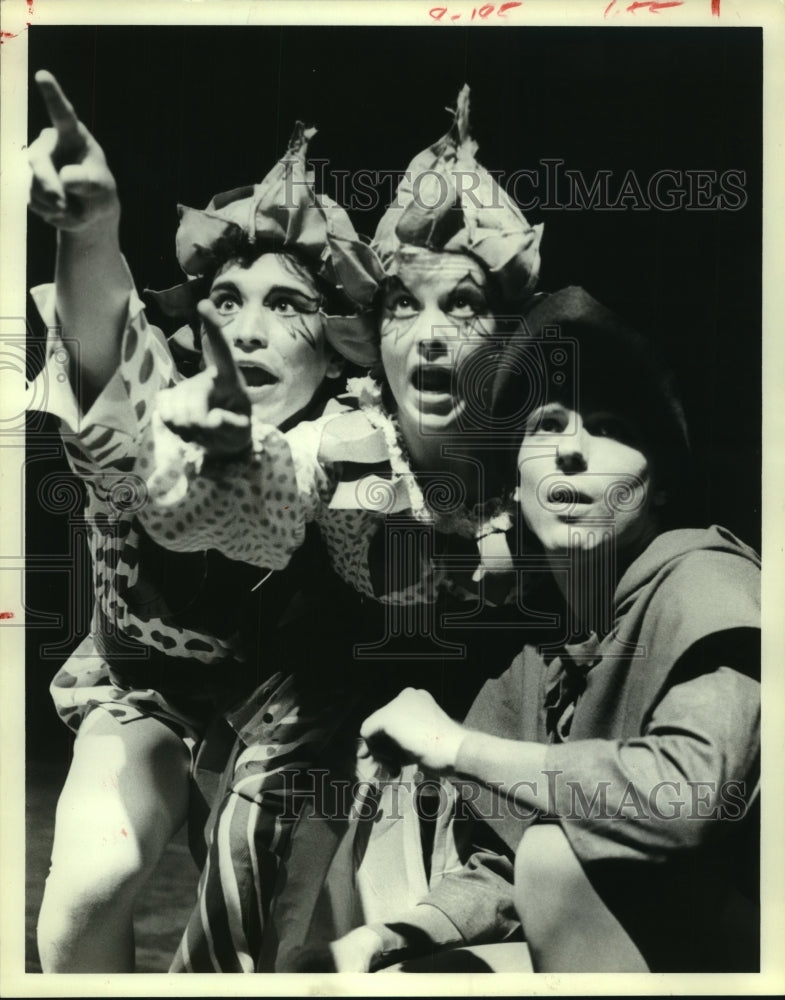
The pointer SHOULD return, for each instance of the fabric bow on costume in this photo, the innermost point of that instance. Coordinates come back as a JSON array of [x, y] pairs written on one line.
[[448, 202], [282, 214]]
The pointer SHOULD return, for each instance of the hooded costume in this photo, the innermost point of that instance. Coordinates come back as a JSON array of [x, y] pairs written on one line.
[[652, 722], [654, 749]]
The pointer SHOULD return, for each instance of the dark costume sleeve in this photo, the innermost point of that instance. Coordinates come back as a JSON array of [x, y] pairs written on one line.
[[679, 761], [686, 779], [478, 899], [663, 754]]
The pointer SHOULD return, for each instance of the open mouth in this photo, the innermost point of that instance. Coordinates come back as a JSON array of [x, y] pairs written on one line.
[[432, 378], [567, 494], [255, 376]]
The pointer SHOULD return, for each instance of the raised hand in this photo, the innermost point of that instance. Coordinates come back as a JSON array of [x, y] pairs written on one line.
[[212, 408], [420, 730], [72, 187]]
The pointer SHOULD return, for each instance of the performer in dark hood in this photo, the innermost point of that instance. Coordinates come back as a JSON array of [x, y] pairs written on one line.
[[620, 755]]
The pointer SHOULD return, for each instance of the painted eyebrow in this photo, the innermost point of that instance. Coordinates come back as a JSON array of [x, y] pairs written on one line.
[[226, 285], [471, 281], [293, 290], [468, 284], [396, 287]]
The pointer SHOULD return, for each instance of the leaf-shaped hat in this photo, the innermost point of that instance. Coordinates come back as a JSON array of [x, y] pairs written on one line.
[[283, 214], [447, 201]]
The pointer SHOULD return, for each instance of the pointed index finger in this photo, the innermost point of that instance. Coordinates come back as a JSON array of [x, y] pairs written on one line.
[[60, 109], [227, 372]]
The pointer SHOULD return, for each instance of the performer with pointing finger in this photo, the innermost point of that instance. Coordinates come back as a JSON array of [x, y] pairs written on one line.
[[408, 522], [174, 640]]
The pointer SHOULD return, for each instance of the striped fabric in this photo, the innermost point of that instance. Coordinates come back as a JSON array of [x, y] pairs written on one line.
[[252, 824]]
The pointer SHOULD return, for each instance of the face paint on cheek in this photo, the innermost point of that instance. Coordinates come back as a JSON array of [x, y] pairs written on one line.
[[396, 329], [481, 327], [300, 326]]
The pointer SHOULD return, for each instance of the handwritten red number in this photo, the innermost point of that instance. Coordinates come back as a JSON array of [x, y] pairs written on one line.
[[502, 11], [653, 5], [437, 13]]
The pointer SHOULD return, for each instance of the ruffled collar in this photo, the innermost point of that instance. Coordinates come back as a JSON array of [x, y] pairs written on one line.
[[435, 506]]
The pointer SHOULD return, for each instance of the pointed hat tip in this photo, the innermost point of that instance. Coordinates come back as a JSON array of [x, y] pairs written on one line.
[[462, 112], [301, 136]]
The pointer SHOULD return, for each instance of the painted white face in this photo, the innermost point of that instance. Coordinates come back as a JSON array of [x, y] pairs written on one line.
[[584, 479], [275, 331], [435, 319]]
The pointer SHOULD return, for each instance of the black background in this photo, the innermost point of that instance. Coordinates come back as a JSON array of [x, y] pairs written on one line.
[[185, 112]]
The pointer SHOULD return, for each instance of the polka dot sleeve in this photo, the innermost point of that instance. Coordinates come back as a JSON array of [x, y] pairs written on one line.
[[104, 438], [253, 509]]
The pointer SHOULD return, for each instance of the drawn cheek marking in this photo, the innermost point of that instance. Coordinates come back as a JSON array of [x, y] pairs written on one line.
[[299, 325], [397, 328]]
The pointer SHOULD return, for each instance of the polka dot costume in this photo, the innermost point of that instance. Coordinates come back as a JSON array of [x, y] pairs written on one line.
[[256, 509], [347, 473], [101, 446]]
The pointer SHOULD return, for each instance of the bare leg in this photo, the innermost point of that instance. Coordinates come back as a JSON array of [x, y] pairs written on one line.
[[567, 925], [125, 796]]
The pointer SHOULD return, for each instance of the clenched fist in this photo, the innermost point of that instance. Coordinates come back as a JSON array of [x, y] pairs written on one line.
[[415, 724]]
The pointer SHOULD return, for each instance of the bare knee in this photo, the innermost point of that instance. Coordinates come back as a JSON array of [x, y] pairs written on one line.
[[84, 904], [89, 892], [114, 858], [125, 795], [567, 924], [547, 874]]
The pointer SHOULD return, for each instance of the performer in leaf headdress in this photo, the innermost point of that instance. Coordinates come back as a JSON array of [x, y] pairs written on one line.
[[460, 268], [174, 640]]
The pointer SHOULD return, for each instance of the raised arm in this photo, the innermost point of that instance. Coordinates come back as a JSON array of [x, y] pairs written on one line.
[[74, 191]]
